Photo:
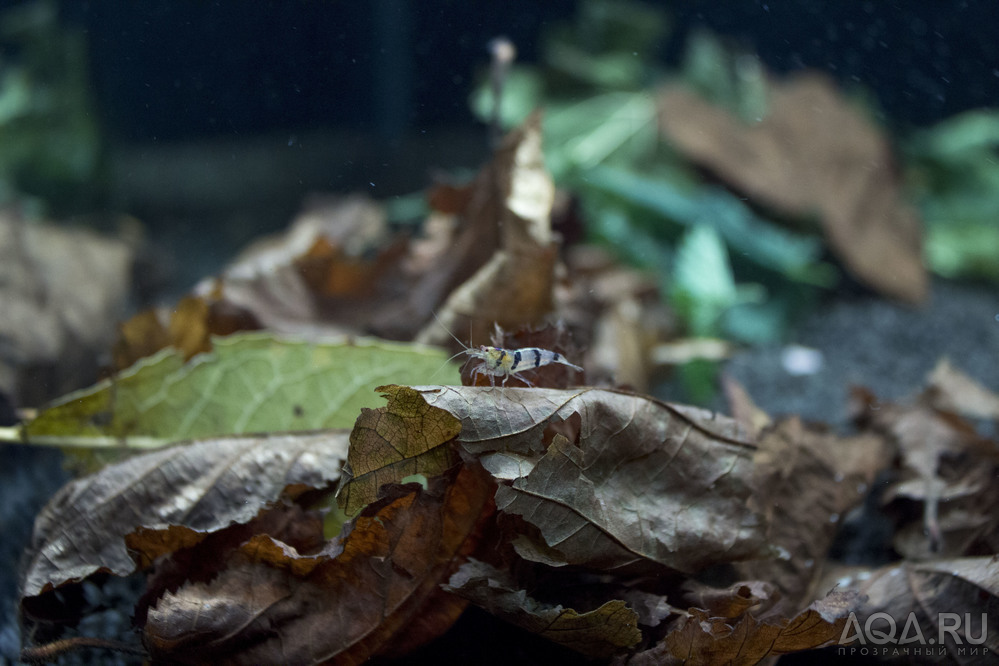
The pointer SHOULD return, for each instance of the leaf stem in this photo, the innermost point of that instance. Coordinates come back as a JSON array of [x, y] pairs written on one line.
[[50, 651]]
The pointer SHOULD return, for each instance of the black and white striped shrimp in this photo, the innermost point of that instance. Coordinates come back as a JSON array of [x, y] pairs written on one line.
[[500, 362], [506, 362]]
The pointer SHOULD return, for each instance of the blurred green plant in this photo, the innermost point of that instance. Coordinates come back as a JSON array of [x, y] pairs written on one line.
[[726, 270], [952, 173], [48, 122]]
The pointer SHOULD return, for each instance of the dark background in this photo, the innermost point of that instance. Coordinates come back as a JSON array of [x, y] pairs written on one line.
[[167, 69]]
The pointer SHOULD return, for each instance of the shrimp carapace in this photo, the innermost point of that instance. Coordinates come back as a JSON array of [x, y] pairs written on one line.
[[506, 358]]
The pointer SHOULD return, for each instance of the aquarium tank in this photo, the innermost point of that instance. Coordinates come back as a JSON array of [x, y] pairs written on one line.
[[574, 332]]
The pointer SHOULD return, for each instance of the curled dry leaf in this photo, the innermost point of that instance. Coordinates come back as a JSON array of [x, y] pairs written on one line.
[[188, 327], [806, 480], [290, 281], [961, 594], [953, 391], [317, 278], [373, 591], [734, 601], [599, 633], [277, 282], [701, 639], [607, 479], [742, 408], [813, 153], [387, 444], [947, 468], [512, 206], [203, 486]]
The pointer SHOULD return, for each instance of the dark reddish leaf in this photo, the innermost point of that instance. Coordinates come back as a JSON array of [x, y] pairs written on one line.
[[372, 591]]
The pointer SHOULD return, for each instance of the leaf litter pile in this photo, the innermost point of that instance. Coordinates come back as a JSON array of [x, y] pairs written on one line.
[[345, 492]]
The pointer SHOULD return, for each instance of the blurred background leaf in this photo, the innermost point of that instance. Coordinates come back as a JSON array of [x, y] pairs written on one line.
[[952, 172], [52, 150]]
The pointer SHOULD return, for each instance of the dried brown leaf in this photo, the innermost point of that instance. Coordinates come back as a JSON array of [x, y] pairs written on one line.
[[203, 486], [813, 153], [953, 391], [448, 198], [599, 633], [930, 595], [140, 336], [947, 468], [333, 274], [405, 437], [336, 269], [178, 555], [187, 327], [734, 601], [806, 480], [62, 289], [374, 591], [642, 484], [617, 315], [311, 275], [703, 640], [510, 209], [742, 407]]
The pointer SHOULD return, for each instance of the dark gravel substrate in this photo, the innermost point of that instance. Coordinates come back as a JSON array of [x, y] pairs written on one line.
[[885, 347]]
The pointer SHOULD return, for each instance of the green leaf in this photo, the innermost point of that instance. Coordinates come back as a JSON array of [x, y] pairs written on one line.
[[522, 93], [953, 174], [736, 81], [969, 250], [795, 256], [585, 133], [250, 382], [703, 287], [962, 138]]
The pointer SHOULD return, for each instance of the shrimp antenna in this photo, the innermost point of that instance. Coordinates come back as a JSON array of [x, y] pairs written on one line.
[[464, 349], [448, 331]]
